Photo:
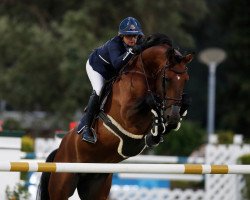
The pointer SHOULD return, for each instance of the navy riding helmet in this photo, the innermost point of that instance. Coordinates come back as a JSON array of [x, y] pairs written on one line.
[[130, 26]]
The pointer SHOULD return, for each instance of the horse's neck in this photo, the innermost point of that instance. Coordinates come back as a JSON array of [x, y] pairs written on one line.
[[153, 59], [128, 104]]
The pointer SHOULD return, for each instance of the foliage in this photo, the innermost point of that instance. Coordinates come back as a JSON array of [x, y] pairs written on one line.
[[225, 137], [29, 62], [27, 144], [19, 192], [183, 142], [45, 44], [235, 81], [245, 160], [44, 52], [11, 124], [232, 84]]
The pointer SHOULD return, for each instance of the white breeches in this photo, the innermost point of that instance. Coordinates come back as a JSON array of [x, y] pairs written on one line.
[[96, 79]]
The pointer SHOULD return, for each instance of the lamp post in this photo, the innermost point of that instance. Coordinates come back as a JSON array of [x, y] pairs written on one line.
[[212, 57]]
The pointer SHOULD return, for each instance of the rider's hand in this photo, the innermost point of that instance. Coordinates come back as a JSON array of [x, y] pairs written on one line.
[[140, 39], [137, 49]]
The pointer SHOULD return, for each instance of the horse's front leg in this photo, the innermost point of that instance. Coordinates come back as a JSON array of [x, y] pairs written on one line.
[[62, 185], [104, 188], [95, 187]]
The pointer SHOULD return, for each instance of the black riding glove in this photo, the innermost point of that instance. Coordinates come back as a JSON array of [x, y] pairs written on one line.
[[137, 49], [140, 39]]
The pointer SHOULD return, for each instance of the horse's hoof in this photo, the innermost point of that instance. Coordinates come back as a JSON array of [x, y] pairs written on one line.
[[153, 141]]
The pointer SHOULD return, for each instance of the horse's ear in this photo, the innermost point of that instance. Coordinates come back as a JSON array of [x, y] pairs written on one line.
[[188, 58]]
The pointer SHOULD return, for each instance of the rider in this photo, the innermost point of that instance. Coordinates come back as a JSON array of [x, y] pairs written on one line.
[[104, 63]]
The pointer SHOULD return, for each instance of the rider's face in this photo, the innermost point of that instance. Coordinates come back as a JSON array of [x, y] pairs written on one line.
[[130, 40]]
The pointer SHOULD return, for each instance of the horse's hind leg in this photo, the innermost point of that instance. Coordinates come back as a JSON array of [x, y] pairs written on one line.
[[62, 185], [94, 186]]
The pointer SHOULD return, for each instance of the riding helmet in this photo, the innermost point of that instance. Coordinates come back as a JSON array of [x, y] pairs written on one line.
[[130, 26]]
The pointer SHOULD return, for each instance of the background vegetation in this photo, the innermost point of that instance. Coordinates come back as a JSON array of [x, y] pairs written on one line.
[[44, 46], [245, 160]]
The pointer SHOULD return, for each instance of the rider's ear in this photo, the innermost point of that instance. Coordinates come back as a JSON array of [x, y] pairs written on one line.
[[188, 58]]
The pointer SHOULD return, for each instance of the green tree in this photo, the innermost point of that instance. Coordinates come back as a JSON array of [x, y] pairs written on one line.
[[172, 17], [224, 26], [29, 65], [45, 45], [234, 95]]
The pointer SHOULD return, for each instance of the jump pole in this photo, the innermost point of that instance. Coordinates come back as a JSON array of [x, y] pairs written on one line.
[[123, 168]]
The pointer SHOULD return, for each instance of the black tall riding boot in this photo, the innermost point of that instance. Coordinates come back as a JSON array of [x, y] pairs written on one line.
[[84, 126]]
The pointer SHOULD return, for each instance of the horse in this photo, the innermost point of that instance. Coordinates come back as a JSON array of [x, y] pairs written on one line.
[[143, 102]]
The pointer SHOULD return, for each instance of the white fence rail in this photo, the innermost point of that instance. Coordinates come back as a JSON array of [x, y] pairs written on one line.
[[122, 168]]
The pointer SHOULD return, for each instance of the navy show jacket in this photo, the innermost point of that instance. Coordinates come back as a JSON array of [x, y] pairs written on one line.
[[109, 58]]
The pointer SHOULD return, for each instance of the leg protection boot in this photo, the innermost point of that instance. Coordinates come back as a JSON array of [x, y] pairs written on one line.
[[185, 104]]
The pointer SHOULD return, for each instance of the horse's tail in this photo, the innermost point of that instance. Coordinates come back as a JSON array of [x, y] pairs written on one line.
[[42, 191]]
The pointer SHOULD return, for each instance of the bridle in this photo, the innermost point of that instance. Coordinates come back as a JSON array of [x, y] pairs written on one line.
[[163, 99]]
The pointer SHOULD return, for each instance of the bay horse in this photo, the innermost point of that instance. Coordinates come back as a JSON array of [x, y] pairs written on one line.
[[145, 100]]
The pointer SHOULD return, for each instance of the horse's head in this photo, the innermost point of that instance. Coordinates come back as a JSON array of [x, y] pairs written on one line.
[[168, 68], [171, 83]]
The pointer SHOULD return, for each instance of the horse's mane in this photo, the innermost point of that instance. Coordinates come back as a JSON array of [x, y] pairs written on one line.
[[156, 39], [174, 56]]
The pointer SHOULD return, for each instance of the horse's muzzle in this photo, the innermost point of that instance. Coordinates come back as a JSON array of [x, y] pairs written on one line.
[[172, 115]]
